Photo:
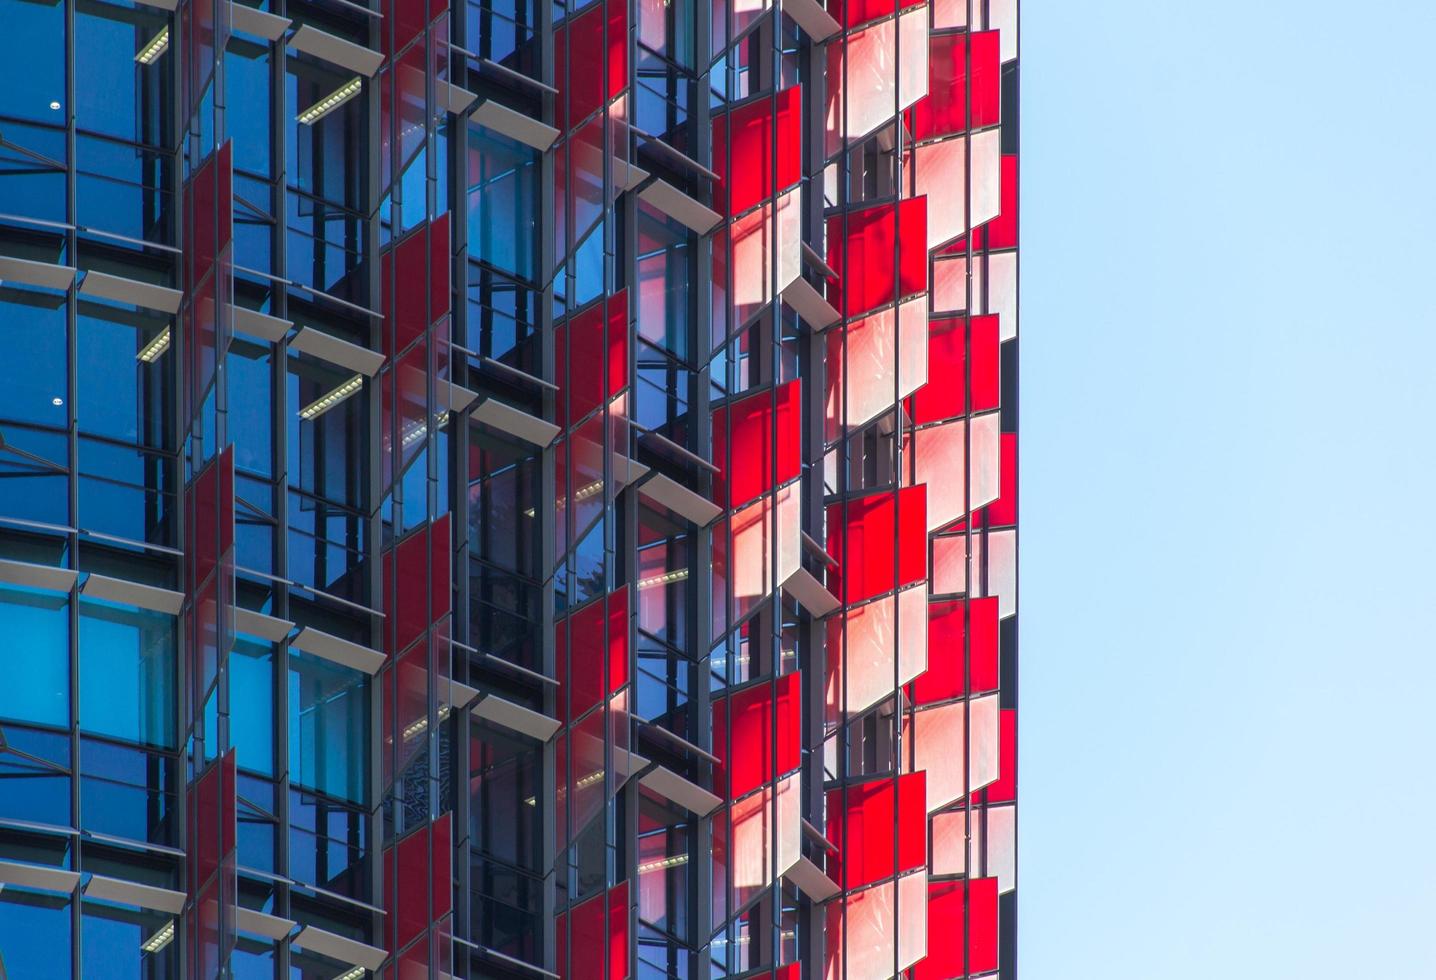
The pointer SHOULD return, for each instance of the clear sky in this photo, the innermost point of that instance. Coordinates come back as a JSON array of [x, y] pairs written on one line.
[[1228, 761]]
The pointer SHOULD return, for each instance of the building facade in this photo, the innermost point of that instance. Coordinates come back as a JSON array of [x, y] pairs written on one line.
[[497, 488]]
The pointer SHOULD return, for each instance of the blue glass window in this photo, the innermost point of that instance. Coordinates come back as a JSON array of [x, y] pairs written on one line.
[[32, 62], [34, 484], [327, 844], [502, 202], [122, 396], [324, 158], [127, 673], [251, 699], [34, 776], [112, 939], [246, 66], [32, 168], [37, 644], [126, 492], [328, 727], [116, 94], [128, 792], [251, 422], [34, 926], [32, 332], [122, 189]]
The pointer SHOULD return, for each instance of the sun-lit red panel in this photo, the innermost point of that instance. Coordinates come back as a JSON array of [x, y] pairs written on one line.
[[1002, 230], [851, 13], [1003, 510], [1004, 788], [879, 827], [945, 394], [950, 625], [765, 432], [766, 732], [966, 941], [879, 254], [944, 111], [879, 542], [766, 150]]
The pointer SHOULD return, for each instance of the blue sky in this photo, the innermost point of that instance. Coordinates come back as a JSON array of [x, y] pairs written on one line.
[[1228, 763]]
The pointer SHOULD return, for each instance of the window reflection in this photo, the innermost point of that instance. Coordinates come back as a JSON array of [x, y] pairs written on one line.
[[503, 202], [128, 792], [32, 62], [34, 775], [328, 727], [32, 334], [37, 685], [127, 673]]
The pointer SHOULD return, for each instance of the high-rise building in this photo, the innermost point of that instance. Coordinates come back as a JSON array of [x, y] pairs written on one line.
[[508, 489]]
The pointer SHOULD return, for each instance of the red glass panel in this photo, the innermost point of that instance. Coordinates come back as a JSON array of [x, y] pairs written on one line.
[[863, 821], [949, 624], [616, 352], [760, 724], [594, 44], [1003, 510], [205, 850], [618, 932], [579, 343], [880, 256], [862, 543], [585, 659], [596, 336], [588, 934], [945, 394], [420, 259], [851, 13], [963, 936], [1005, 788], [407, 589], [944, 111], [409, 17], [762, 424], [617, 639], [411, 874], [1002, 230], [751, 130]]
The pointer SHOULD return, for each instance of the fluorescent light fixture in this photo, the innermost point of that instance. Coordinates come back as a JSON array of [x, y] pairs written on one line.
[[325, 402], [157, 46], [417, 728], [418, 432], [355, 974], [579, 495], [332, 101], [664, 864], [160, 939], [156, 347], [667, 578]]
